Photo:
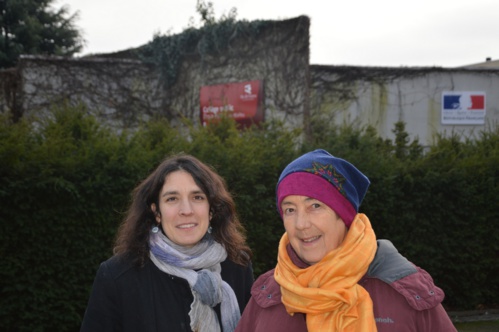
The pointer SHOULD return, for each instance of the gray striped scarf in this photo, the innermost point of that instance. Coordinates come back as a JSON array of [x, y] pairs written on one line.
[[200, 266]]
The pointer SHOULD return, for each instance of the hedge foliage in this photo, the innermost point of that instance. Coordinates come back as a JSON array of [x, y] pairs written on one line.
[[65, 184]]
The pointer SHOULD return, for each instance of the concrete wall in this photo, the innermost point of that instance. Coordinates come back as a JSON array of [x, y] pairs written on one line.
[[124, 92], [120, 92], [380, 97]]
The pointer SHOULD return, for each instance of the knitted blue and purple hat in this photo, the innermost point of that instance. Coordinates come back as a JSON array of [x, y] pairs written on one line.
[[333, 181]]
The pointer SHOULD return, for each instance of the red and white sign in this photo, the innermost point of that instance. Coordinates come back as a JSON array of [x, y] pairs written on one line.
[[242, 101]]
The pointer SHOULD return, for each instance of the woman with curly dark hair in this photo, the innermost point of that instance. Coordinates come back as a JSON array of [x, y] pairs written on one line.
[[180, 263]]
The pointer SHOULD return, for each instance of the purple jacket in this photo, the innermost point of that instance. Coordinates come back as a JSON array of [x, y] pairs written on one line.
[[404, 297]]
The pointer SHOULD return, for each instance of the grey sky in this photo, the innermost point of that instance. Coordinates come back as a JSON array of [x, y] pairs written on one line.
[[445, 33]]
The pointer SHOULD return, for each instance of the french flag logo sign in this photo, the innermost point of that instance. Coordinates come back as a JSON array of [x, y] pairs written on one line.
[[463, 107]]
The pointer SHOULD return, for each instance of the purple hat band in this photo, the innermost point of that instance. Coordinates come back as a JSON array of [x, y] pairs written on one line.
[[314, 186]]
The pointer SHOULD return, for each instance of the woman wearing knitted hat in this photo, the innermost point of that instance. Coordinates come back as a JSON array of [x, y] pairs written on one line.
[[332, 274]]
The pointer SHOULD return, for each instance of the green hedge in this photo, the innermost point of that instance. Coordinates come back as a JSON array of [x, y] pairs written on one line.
[[439, 207], [66, 182]]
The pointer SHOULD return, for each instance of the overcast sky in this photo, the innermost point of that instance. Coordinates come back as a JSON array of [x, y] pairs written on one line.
[[393, 33]]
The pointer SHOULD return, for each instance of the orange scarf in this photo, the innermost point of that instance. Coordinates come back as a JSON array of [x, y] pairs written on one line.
[[327, 292]]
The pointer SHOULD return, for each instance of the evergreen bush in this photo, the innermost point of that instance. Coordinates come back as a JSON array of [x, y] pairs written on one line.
[[66, 183]]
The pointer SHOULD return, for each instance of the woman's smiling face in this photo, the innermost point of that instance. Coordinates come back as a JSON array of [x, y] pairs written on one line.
[[313, 228], [184, 210]]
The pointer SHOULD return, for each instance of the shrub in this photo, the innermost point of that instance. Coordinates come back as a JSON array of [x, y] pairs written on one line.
[[65, 184]]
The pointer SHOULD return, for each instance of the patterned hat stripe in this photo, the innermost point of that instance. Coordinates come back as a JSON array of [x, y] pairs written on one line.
[[329, 173]]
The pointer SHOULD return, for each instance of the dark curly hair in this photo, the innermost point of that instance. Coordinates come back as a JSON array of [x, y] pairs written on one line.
[[133, 234]]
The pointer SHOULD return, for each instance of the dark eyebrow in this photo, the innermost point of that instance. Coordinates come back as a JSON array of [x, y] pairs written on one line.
[[174, 192], [166, 193]]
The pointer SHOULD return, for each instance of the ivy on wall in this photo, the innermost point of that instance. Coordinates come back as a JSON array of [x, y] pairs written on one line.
[[167, 52]]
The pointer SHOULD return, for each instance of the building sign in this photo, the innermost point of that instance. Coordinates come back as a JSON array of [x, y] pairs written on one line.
[[463, 108], [242, 101]]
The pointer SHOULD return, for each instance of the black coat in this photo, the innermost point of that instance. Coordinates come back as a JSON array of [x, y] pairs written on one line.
[[128, 298]]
